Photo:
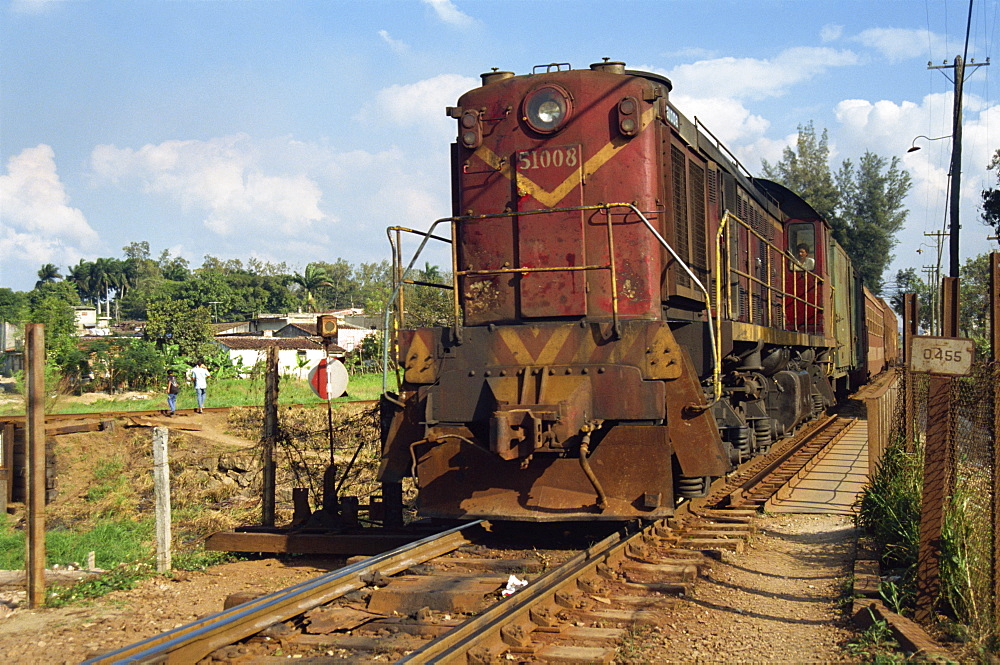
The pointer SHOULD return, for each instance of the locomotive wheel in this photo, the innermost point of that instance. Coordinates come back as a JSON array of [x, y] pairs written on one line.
[[693, 487]]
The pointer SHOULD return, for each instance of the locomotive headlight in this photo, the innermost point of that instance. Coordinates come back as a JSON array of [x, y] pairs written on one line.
[[547, 109]]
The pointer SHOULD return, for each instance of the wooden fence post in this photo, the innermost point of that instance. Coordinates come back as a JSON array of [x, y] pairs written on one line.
[[270, 436], [911, 320], [937, 460], [161, 494], [34, 449]]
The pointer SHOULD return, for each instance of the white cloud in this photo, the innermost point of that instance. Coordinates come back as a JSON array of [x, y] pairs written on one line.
[[395, 44], [420, 104], [450, 14], [889, 129], [225, 179], [37, 223], [730, 121], [831, 33], [898, 44], [756, 79]]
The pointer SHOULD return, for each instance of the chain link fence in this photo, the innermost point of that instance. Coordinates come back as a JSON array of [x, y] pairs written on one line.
[[961, 415]]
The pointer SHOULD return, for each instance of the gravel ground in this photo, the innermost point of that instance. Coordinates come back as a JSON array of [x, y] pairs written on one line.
[[775, 603]]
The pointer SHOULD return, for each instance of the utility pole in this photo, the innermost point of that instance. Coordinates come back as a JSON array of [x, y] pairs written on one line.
[[956, 151], [934, 279]]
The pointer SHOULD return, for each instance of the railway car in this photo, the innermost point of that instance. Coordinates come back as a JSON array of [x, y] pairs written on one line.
[[634, 312]]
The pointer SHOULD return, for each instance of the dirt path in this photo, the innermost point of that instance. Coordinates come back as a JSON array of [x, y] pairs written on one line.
[[775, 603]]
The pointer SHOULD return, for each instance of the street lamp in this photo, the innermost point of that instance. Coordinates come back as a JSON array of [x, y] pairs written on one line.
[[914, 147]]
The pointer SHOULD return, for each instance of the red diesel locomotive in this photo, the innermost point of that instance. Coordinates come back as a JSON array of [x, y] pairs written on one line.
[[634, 313]]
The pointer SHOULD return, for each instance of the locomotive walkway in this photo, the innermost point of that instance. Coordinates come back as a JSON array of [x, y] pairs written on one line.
[[832, 486]]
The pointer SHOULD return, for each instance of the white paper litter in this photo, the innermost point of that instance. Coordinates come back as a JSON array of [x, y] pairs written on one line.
[[513, 584]]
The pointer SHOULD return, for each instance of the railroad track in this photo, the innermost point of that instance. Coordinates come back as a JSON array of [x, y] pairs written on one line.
[[440, 599]]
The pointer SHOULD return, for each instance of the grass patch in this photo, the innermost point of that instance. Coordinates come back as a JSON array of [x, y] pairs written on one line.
[[114, 542], [123, 577]]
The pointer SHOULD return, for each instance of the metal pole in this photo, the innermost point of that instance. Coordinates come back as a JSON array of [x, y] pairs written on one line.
[[34, 344]]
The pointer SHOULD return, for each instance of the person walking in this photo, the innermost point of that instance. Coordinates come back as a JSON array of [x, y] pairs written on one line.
[[173, 387], [198, 375]]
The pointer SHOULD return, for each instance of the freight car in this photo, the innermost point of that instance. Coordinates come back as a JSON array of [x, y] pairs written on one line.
[[634, 312]]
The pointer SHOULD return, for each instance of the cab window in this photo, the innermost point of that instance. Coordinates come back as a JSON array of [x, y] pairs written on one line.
[[801, 247]]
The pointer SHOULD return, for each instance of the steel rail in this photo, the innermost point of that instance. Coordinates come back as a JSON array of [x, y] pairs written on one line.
[[781, 458], [194, 641], [454, 645]]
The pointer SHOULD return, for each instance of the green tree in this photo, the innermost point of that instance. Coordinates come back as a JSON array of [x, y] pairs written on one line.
[[176, 322], [991, 197], [871, 213], [806, 171], [47, 274], [136, 365], [12, 305], [907, 281], [79, 276], [974, 282], [374, 286], [173, 268], [429, 305], [51, 304], [342, 289], [312, 278], [863, 204]]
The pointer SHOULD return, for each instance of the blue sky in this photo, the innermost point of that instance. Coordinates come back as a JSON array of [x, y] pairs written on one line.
[[297, 131]]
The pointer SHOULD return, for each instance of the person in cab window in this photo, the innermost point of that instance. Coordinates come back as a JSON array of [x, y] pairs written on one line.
[[802, 254]]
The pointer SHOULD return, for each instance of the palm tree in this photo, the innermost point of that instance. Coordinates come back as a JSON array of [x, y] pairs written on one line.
[[311, 279], [47, 274], [79, 276], [102, 276]]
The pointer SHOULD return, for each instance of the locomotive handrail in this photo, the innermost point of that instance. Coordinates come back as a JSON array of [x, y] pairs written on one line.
[[397, 291], [770, 288], [716, 343], [610, 266]]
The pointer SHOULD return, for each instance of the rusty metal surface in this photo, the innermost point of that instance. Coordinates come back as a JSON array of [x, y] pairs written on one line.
[[457, 479], [583, 166]]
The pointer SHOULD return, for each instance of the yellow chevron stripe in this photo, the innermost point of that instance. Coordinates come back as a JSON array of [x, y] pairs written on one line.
[[550, 199], [522, 356]]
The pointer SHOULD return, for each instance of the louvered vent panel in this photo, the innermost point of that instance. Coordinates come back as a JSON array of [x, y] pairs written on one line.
[[699, 258], [681, 245]]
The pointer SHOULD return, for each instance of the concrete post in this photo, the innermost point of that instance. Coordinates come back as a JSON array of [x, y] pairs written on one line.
[[161, 495]]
